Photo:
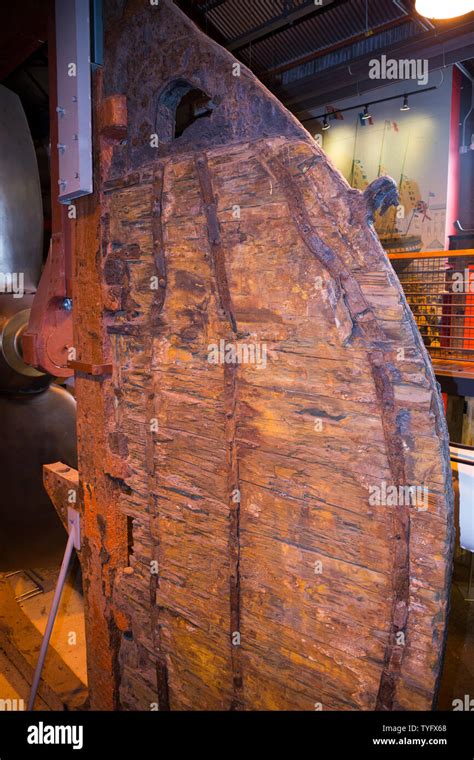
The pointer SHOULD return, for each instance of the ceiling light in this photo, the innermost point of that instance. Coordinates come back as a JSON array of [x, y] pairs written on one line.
[[366, 114], [441, 9], [405, 106], [326, 124]]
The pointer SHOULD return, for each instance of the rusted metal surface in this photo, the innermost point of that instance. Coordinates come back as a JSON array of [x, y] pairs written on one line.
[[48, 338], [233, 558]]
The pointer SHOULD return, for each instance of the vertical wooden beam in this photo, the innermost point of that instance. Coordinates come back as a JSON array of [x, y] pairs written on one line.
[[105, 529]]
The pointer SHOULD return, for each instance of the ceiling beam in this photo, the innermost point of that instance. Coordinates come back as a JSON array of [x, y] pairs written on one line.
[[336, 46], [278, 23], [335, 84]]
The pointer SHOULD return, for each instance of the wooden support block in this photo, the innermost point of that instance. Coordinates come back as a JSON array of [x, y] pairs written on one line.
[[62, 485], [113, 117]]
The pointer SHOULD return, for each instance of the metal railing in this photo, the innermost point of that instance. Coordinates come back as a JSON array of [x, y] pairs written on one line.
[[439, 287]]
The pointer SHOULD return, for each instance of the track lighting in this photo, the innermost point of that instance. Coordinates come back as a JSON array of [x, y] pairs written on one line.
[[366, 114]]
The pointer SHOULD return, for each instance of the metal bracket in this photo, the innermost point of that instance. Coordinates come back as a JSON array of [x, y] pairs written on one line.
[[90, 369], [74, 99]]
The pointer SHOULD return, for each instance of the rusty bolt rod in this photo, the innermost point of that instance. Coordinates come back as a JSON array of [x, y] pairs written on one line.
[[51, 618]]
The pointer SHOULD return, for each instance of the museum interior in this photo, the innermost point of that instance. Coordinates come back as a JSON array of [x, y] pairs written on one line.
[[237, 355]]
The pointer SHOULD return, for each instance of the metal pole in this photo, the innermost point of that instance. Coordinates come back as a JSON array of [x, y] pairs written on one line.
[[51, 618]]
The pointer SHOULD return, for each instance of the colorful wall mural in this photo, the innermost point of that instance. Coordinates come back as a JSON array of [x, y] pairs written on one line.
[[412, 146]]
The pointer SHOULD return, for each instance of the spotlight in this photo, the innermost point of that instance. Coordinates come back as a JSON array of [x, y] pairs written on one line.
[[405, 106], [366, 114], [326, 124], [441, 9]]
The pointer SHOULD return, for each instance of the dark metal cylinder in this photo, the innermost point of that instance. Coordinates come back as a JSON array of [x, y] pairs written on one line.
[[15, 375], [37, 419], [36, 429]]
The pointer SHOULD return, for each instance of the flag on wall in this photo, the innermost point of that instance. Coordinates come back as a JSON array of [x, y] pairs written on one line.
[[333, 113], [391, 125]]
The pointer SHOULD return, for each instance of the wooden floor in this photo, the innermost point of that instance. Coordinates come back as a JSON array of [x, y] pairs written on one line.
[[14, 688], [453, 369], [22, 625]]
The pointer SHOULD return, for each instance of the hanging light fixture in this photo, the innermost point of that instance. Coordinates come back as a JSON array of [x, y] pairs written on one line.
[[326, 124], [442, 10], [405, 106], [366, 114]]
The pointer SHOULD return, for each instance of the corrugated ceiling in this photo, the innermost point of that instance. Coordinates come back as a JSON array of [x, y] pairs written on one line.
[[235, 18]]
